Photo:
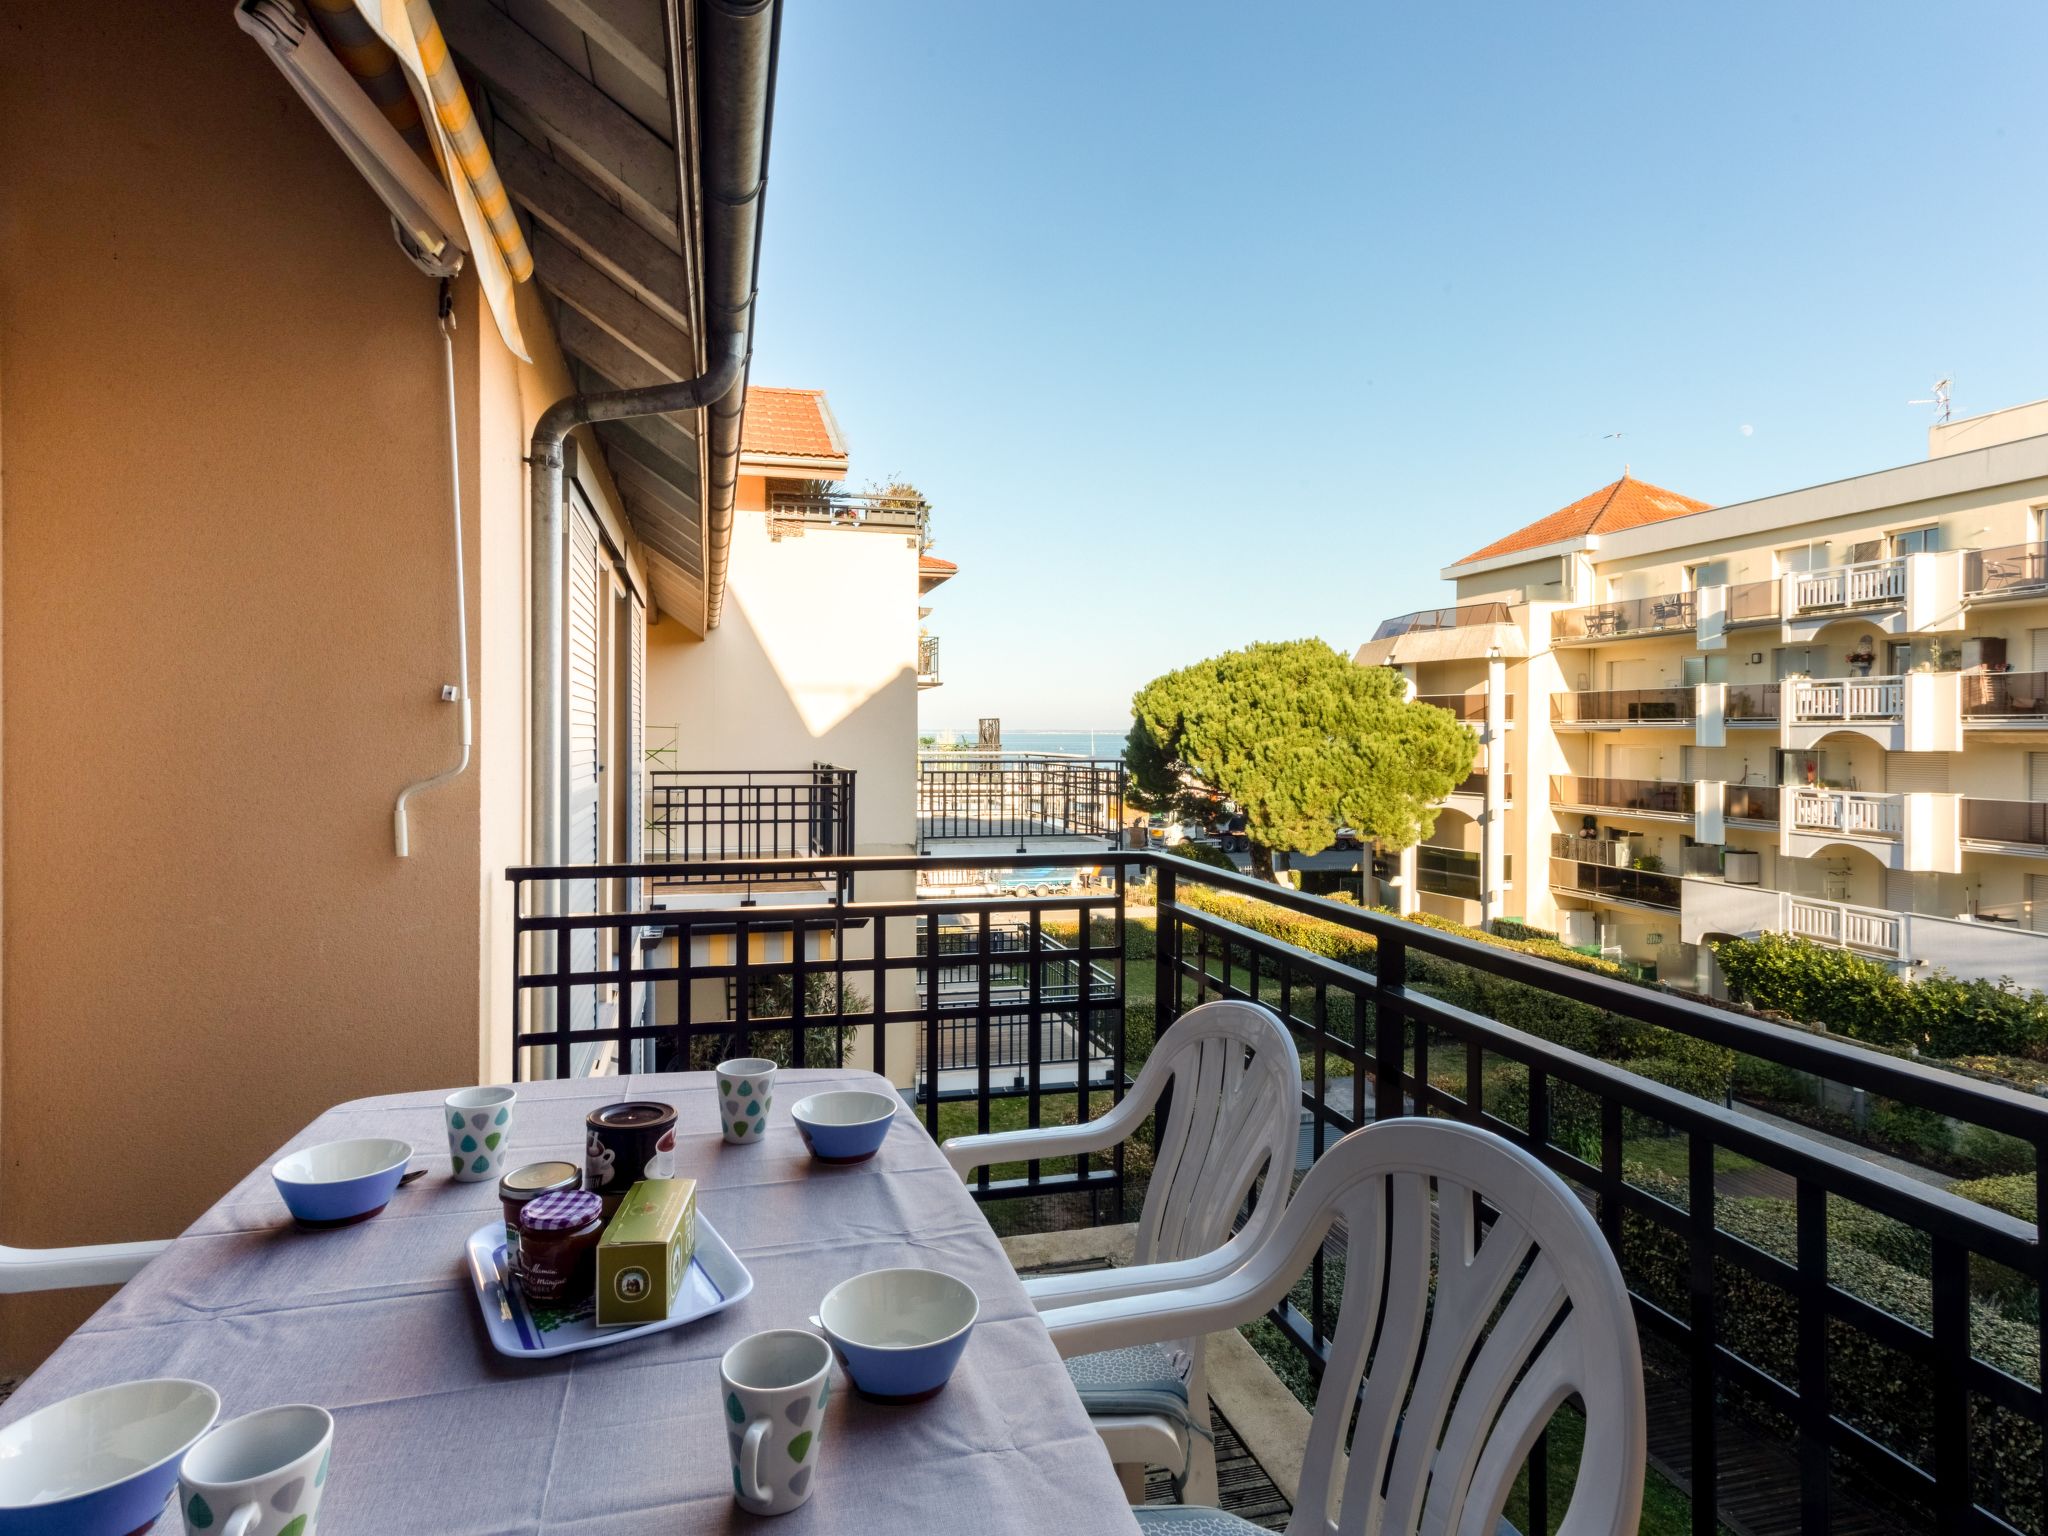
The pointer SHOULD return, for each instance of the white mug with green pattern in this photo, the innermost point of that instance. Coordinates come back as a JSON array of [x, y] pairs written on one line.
[[745, 1088], [259, 1475], [479, 1122], [773, 1388]]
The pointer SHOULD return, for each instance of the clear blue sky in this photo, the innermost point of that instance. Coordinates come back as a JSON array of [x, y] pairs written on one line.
[[1203, 324]]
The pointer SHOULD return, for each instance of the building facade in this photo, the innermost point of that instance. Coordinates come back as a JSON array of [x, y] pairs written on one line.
[[1823, 712]]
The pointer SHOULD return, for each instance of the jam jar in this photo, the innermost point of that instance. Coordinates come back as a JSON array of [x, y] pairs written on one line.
[[530, 1183], [558, 1235]]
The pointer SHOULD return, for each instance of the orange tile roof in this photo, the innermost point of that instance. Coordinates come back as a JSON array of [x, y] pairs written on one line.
[[931, 570], [790, 423], [1627, 503]]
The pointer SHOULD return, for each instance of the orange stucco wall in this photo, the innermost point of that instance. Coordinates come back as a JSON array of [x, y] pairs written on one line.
[[225, 614]]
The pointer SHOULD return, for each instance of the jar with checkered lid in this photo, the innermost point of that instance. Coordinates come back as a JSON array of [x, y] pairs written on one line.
[[558, 1236]]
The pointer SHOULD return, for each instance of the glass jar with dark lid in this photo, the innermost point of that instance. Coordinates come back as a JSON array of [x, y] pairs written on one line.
[[558, 1237], [530, 1183]]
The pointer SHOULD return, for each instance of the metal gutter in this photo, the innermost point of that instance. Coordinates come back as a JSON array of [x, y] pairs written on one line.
[[733, 85]]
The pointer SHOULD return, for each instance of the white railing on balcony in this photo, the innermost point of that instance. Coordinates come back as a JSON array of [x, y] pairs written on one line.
[[1848, 698], [1868, 583], [1869, 929], [1853, 813]]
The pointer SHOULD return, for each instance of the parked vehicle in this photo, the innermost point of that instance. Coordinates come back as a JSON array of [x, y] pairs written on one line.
[[1035, 882]]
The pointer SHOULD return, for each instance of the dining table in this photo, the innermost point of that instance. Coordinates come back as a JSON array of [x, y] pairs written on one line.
[[436, 1432]]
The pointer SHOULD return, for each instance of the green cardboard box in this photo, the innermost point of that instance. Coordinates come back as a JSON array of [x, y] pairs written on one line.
[[645, 1252]]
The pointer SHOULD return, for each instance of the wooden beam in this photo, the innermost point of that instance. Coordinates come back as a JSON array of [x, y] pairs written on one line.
[[603, 353], [582, 287], [597, 228], [579, 119], [636, 479], [629, 30], [656, 533], [680, 474]]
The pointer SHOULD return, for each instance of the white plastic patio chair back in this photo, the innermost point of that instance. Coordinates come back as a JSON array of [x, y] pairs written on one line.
[[1235, 1112], [1467, 1391], [59, 1269]]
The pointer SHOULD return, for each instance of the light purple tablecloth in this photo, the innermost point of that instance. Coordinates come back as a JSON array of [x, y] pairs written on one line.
[[438, 1433]]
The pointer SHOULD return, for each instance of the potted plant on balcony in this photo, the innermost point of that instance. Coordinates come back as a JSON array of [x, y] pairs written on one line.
[[1861, 659]]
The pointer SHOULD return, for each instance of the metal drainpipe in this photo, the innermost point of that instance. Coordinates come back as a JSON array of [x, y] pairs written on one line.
[[549, 553]]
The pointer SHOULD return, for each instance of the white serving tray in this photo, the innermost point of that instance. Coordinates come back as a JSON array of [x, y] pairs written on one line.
[[716, 1280]]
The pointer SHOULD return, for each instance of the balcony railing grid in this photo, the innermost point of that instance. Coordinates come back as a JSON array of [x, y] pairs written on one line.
[[1848, 698], [1752, 602], [1853, 813], [849, 509], [1662, 797], [1751, 701], [1872, 930], [1750, 802], [1462, 617], [1590, 848], [1474, 783], [2021, 822], [698, 815], [1993, 696], [928, 658], [1641, 887], [2010, 568], [973, 794], [1623, 706], [1468, 706], [1630, 617], [1866, 584], [1959, 1439]]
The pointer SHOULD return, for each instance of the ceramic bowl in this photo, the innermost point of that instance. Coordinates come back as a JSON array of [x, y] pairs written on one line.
[[339, 1182], [846, 1126], [899, 1332], [102, 1463]]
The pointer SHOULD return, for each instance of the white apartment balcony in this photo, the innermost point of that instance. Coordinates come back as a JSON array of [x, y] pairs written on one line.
[[1916, 831], [1963, 946], [1908, 594], [1919, 712]]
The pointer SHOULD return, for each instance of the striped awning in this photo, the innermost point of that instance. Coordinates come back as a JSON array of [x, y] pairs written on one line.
[[395, 50]]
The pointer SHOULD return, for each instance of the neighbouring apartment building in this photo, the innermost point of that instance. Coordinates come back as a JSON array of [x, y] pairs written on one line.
[[1823, 712]]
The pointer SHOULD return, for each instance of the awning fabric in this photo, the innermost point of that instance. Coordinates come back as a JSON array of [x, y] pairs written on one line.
[[497, 247]]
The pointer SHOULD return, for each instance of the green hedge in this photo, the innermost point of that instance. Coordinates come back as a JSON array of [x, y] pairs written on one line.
[[1678, 1060], [1882, 1393], [1863, 999]]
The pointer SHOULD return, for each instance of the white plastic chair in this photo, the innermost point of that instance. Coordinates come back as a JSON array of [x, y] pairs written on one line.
[[1458, 1411], [60, 1269], [1235, 1114]]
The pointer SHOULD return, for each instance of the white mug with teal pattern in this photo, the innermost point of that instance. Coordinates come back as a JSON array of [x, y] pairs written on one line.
[[259, 1475], [479, 1122], [745, 1088], [773, 1388]]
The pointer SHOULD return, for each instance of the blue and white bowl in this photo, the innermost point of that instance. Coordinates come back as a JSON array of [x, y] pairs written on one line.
[[339, 1182], [846, 1125], [899, 1332], [102, 1463]]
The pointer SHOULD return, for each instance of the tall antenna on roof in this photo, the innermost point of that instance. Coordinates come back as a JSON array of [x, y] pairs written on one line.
[[1939, 401]]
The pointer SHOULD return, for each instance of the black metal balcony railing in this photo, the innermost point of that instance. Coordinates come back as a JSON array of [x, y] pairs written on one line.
[[699, 815], [1752, 602], [1991, 696], [1750, 802], [1019, 961], [1662, 797], [1643, 887], [927, 658], [2010, 568], [849, 509], [1623, 706], [1469, 706], [1958, 1438], [1630, 617], [1462, 617], [2024, 822], [1751, 701], [1455, 872], [970, 794]]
